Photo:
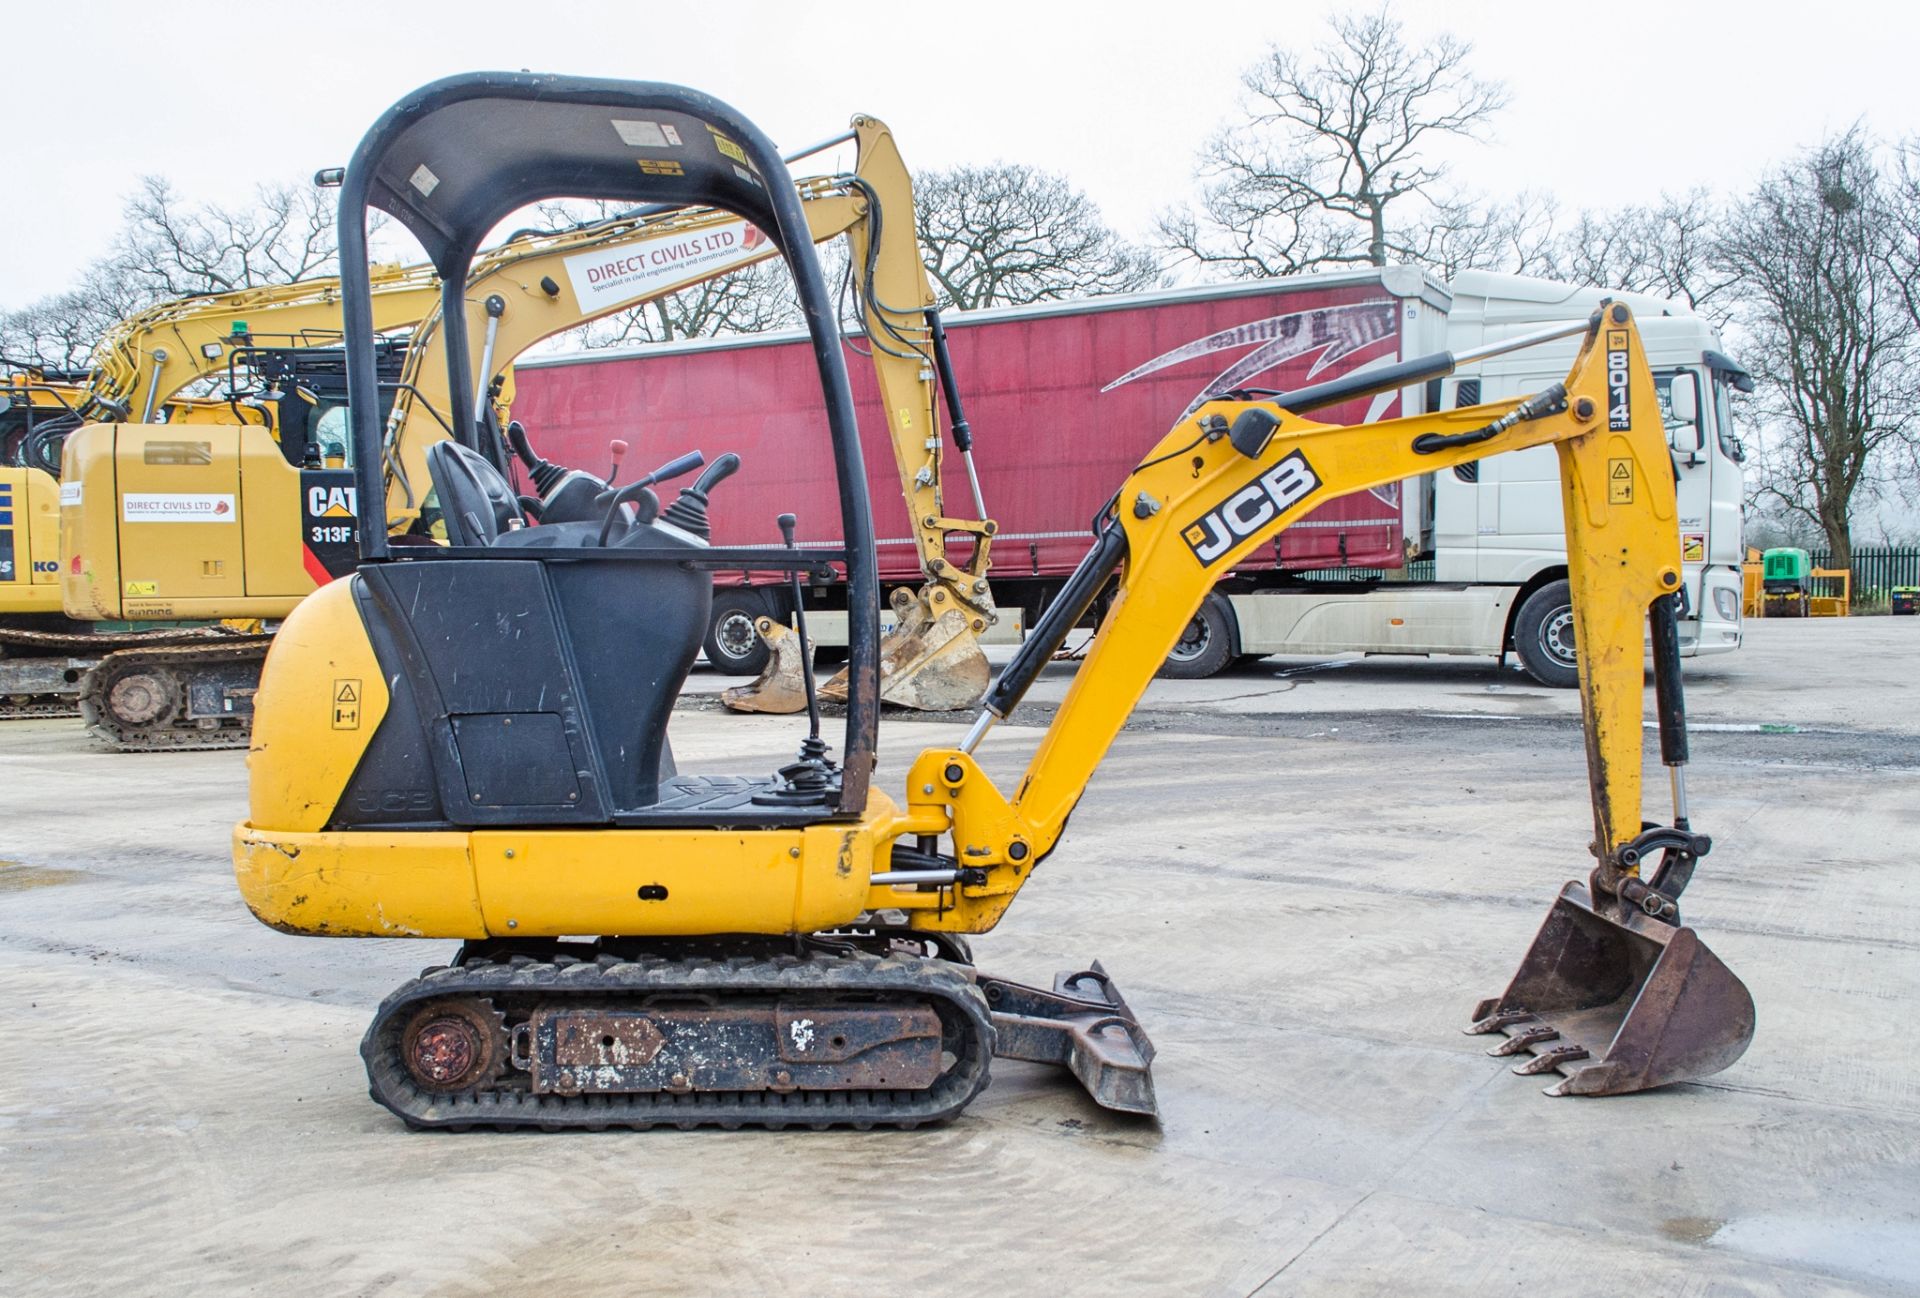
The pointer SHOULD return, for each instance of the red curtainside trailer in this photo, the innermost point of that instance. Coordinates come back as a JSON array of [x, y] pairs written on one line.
[[1063, 398]]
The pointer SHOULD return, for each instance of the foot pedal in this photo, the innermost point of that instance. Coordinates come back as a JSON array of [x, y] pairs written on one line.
[[1083, 1025]]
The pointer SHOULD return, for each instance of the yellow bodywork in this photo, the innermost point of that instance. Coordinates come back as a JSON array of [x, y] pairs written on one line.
[[29, 541], [1624, 551], [188, 520]]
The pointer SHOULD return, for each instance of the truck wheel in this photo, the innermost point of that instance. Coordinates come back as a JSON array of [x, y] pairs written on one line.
[[1543, 636], [1205, 646], [732, 646]]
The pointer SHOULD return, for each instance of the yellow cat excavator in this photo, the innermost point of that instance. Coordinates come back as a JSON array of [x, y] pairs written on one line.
[[141, 365], [465, 742], [253, 520]]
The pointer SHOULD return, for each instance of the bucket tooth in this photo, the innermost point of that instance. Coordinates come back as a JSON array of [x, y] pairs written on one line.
[[1082, 1025], [782, 686], [1643, 1002], [1526, 1039], [1548, 1060], [929, 663], [1486, 1020]]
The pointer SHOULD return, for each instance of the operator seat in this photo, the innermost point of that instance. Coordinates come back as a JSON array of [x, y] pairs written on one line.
[[478, 504]]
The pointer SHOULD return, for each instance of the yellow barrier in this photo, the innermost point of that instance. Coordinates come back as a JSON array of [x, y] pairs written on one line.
[[1753, 599], [1821, 599]]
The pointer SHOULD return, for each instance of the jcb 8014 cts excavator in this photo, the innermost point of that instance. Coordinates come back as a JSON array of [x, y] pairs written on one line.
[[465, 742], [244, 522]]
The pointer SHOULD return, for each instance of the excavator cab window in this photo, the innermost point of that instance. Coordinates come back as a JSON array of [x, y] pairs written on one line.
[[607, 611]]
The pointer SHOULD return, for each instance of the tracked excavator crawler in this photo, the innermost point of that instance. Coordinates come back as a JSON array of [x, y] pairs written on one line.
[[465, 742]]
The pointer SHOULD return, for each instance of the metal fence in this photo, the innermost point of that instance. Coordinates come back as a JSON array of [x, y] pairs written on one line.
[[1878, 568]]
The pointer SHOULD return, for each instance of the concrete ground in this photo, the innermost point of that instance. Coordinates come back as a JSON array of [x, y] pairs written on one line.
[[1302, 873]]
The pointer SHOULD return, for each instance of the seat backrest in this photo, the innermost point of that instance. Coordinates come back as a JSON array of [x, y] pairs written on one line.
[[477, 502]]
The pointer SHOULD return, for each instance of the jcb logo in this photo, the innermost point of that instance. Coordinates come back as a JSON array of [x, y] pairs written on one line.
[[1252, 507], [331, 502]]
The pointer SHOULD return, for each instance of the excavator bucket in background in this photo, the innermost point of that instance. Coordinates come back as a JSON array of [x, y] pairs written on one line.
[[929, 662], [781, 686], [1618, 1002]]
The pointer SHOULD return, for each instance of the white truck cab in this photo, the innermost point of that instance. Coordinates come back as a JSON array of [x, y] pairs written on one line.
[[1493, 531]]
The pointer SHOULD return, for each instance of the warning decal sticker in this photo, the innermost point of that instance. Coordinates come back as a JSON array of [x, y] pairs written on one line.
[[346, 704], [1620, 480]]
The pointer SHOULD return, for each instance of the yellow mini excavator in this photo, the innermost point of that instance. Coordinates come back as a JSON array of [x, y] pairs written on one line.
[[465, 742], [246, 521]]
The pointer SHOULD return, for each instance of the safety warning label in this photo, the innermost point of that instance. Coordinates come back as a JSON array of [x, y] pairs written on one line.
[[346, 705], [1620, 480]]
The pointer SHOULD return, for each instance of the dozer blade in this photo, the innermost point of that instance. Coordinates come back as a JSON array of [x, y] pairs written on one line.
[[1082, 1025], [929, 663], [1618, 1004], [782, 686]]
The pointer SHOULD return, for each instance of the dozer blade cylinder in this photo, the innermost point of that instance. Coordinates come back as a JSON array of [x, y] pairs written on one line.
[[1619, 1003]]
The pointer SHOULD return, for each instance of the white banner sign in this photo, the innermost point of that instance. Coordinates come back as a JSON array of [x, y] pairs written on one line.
[[610, 277], [176, 507]]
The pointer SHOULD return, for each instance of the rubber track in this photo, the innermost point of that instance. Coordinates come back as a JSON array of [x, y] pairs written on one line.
[[91, 646], [181, 737], [525, 983]]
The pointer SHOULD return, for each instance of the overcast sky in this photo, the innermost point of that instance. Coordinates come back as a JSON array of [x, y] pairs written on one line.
[[1611, 102]]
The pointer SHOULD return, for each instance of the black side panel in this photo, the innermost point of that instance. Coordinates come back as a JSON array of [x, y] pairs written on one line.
[[523, 692], [478, 638], [635, 630], [394, 785], [526, 752]]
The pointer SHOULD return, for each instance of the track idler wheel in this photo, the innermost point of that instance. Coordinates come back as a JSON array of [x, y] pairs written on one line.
[[143, 697], [454, 1045]]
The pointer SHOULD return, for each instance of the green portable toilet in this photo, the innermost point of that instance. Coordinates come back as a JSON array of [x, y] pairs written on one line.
[[1786, 579]]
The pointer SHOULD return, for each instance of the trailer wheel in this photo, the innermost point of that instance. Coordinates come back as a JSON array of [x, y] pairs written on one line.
[[1543, 636], [1205, 646], [732, 646]]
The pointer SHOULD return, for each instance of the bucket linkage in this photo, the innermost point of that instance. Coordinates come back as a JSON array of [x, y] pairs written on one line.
[[1616, 994]]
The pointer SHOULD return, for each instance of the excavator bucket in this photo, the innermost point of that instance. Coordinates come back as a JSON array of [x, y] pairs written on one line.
[[781, 686], [928, 662], [931, 662], [1618, 1003]]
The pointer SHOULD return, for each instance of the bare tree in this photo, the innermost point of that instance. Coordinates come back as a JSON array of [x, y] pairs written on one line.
[[1005, 234], [1814, 248], [59, 332], [1333, 164], [1904, 256], [169, 248], [1665, 248], [1516, 237]]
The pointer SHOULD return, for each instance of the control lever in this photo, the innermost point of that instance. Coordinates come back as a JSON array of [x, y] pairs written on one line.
[[688, 512], [787, 525], [637, 491], [640, 496], [810, 778], [543, 472], [617, 448]]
